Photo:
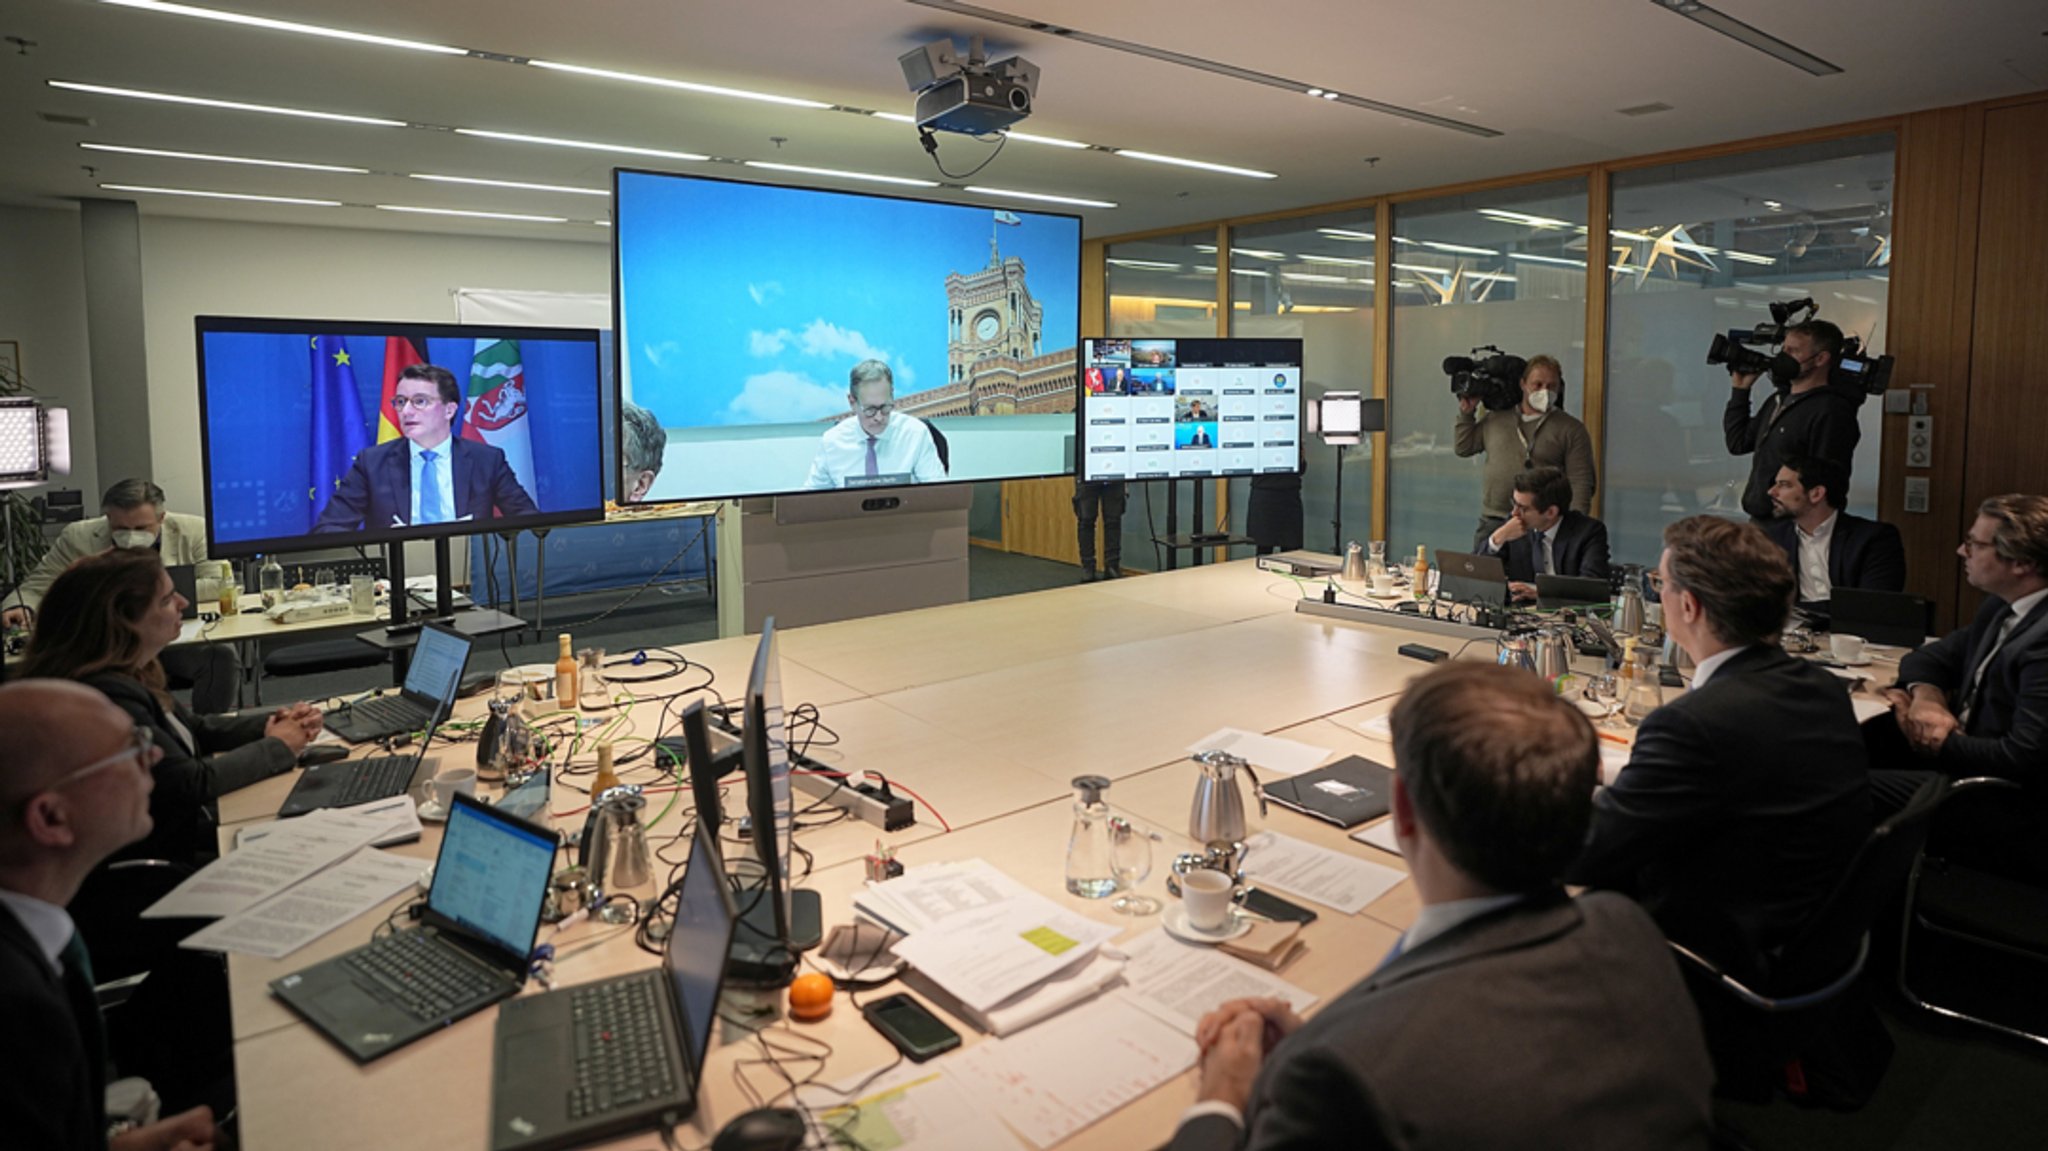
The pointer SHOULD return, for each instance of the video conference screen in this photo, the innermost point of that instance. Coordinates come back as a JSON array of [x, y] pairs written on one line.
[[788, 340], [331, 433], [1182, 409]]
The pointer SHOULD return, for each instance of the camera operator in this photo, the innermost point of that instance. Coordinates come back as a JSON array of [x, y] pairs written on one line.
[[1811, 419], [1537, 433]]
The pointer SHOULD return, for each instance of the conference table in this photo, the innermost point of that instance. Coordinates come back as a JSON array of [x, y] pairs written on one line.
[[985, 711]]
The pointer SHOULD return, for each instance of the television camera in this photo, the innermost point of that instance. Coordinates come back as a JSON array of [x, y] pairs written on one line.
[[1494, 380], [1853, 371]]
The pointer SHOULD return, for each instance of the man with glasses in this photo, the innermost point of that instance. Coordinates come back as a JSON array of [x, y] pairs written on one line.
[[1744, 798], [879, 446], [74, 788], [1807, 418], [430, 475], [1545, 535]]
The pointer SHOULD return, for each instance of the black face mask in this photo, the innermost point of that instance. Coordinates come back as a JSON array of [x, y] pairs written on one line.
[[1785, 369]]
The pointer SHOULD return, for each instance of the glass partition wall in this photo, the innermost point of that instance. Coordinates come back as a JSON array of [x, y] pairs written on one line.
[[1707, 246], [1311, 278], [1505, 268]]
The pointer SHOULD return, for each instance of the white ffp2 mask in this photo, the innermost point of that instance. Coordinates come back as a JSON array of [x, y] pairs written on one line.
[[134, 539]]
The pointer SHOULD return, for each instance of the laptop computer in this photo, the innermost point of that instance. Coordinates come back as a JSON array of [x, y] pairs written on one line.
[[1565, 591], [1467, 578], [624, 1054], [185, 581], [471, 949], [1893, 617], [437, 666]]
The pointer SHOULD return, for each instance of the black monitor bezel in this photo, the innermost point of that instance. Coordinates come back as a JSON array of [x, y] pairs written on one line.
[[619, 343], [222, 549], [761, 806]]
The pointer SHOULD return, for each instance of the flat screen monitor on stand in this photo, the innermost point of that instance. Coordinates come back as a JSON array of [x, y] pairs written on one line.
[[777, 921]]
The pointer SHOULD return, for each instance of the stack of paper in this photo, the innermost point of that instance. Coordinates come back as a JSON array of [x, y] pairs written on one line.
[[1065, 1074], [1006, 955], [247, 876], [1302, 869], [1268, 753]]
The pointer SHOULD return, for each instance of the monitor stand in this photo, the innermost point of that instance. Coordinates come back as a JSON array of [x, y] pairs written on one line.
[[401, 634], [758, 958]]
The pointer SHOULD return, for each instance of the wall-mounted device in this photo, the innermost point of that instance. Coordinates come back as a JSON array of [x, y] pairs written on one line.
[[973, 96]]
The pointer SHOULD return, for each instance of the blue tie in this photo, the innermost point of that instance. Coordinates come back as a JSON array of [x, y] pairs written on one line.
[[430, 491]]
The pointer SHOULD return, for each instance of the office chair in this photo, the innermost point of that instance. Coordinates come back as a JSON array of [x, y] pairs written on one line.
[[1780, 1024], [939, 444], [1990, 928]]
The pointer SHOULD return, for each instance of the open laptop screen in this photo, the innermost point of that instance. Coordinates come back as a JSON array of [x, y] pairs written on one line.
[[437, 665], [491, 876], [697, 946]]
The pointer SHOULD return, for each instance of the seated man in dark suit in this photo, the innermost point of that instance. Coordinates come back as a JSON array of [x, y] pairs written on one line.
[[429, 476], [74, 789], [1544, 535], [1743, 799], [1456, 1040], [1976, 701], [1828, 547]]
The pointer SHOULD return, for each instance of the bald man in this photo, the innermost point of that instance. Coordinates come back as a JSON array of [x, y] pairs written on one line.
[[74, 788]]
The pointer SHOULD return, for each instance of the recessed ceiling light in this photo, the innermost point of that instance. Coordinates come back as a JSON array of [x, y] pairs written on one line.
[[1149, 265], [602, 223], [1754, 37], [1330, 96], [230, 105], [286, 26], [590, 145], [475, 215], [220, 195], [511, 184], [1346, 234], [680, 85], [980, 190], [1311, 258], [842, 174], [1773, 205], [212, 158], [1464, 248], [899, 117], [1206, 166], [1559, 260], [1315, 91], [1054, 141]]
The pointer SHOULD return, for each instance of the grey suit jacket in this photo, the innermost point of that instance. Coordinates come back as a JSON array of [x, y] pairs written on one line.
[[1555, 1022], [184, 542]]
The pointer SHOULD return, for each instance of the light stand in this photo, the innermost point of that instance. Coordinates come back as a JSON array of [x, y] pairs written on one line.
[[1342, 419]]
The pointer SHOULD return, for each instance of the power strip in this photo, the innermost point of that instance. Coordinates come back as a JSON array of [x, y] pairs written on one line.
[[862, 799]]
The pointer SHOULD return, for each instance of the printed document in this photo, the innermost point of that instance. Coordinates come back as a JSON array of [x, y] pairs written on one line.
[[1331, 878], [913, 1108], [1066, 1073], [1267, 753], [401, 814], [308, 910], [1181, 982], [989, 954], [249, 875]]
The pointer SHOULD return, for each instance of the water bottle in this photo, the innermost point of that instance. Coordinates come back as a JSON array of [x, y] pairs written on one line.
[[272, 582], [1091, 870]]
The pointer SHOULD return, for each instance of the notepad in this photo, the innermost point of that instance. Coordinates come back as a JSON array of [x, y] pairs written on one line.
[[1346, 793]]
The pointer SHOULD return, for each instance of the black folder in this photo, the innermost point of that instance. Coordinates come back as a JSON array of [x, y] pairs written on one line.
[[1347, 793]]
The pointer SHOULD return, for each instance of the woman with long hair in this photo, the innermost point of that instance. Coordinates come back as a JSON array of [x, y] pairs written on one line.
[[104, 622]]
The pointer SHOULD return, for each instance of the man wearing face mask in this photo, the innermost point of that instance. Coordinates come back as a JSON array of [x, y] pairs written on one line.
[[132, 515], [1537, 433], [1805, 417]]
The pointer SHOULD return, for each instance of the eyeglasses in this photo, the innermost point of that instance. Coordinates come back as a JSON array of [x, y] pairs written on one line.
[[400, 403], [870, 411], [137, 750], [1972, 544], [1655, 579]]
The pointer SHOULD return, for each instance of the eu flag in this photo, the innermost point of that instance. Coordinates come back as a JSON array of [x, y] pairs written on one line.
[[339, 431]]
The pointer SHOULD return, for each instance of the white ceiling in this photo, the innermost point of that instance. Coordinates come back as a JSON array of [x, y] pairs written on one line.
[[1549, 76]]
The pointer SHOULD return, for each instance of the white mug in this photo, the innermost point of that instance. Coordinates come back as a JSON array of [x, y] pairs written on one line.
[[1383, 583], [1205, 892], [1846, 648], [455, 780]]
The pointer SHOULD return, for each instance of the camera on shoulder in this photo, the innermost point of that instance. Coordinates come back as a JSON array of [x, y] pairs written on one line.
[[1495, 380], [1854, 371]]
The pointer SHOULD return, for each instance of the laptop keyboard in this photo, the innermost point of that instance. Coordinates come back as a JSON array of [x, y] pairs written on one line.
[[375, 777], [424, 978], [621, 1056], [394, 712]]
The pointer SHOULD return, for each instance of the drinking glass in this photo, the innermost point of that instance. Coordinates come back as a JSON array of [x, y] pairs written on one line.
[[1130, 861]]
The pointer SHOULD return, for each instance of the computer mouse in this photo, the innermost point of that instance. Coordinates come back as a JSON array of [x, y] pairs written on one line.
[[766, 1129], [319, 753]]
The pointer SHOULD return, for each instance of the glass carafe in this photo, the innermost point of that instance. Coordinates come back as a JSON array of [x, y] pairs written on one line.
[[1091, 862], [1645, 694], [594, 692]]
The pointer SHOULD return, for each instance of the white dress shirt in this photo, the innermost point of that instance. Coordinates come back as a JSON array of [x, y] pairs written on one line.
[[46, 923], [444, 478], [905, 448], [1708, 666], [1814, 586]]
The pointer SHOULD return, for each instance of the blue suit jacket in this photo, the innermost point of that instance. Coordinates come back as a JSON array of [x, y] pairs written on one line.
[[1865, 554], [377, 491], [1580, 549], [2008, 732]]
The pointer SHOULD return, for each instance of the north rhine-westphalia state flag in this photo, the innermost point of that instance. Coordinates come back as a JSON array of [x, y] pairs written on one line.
[[496, 412], [339, 430], [400, 353]]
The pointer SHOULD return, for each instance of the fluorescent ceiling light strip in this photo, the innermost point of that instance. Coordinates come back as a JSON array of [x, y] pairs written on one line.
[[1316, 278], [602, 223], [1259, 253], [1748, 257], [1443, 247], [841, 173], [230, 105], [899, 117], [589, 145], [1490, 276], [1559, 260], [1251, 272], [509, 184], [1053, 141], [221, 195], [1308, 258], [1526, 218], [1155, 265], [1638, 237], [1345, 234], [1428, 268], [472, 214], [1048, 197], [287, 26], [212, 158], [1754, 37], [1204, 165], [679, 85]]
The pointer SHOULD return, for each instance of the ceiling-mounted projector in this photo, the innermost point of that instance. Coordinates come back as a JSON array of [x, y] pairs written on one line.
[[973, 96]]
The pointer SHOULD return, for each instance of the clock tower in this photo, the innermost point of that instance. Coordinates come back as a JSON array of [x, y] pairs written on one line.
[[991, 317]]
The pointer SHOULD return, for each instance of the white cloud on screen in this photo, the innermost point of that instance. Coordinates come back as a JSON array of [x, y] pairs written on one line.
[[823, 339], [762, 293], [656, 352], [782, 397]]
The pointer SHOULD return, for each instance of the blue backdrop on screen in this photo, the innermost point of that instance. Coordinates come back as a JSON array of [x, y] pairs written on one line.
[[263, 439]]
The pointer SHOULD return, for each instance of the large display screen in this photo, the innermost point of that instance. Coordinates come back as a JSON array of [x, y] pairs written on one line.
[[1181, 409], [329, 433], [784, 340]]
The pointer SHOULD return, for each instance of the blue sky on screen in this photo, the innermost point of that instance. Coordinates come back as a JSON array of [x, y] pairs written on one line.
[[748, 304]]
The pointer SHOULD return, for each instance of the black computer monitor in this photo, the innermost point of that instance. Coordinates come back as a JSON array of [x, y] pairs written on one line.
[[1463, 577], [793, 916], [705, 770]]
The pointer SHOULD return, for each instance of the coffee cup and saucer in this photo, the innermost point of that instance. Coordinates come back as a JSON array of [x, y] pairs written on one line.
[[443, 789], [1206, 913]]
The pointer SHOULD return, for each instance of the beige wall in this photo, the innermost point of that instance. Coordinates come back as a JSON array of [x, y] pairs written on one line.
[[42, 306]]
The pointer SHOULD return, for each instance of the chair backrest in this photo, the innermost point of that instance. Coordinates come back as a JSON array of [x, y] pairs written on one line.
[[939, 444], [1829, 942]]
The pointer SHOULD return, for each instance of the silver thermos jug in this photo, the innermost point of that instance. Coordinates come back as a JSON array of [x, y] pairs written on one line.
[[1217, 815]]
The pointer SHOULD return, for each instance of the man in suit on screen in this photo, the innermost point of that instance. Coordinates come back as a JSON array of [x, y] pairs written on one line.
[[429, 476], [877, 445]]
